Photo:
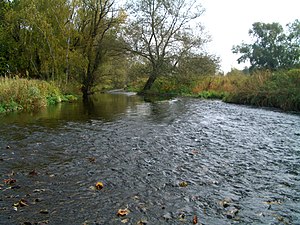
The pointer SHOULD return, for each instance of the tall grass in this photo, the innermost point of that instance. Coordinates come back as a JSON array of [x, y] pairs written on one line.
[[263, 88], [280, 90], [22, 94]]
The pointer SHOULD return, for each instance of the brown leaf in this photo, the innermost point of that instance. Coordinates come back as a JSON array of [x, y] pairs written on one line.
[[183, 184], [195, 220], [123, 212], [142, 222], [21, 203], [92, 159], [99, 185], [10, 181]]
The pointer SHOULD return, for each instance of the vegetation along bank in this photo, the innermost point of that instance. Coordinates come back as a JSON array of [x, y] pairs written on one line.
[[23, 94]]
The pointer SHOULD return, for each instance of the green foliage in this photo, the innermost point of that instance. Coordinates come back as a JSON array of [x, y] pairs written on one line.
[[280, 90], [212, 95], [17, 94], [272, 48]]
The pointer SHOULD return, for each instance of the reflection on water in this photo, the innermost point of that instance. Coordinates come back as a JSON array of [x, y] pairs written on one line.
[[240, 165], [101, 106]]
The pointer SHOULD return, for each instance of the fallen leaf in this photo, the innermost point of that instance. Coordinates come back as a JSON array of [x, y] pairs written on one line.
[[225, 202], [181, 217], [33, 173], [195, 220], [125, 220], [99, 185], [20, 203], [123, 212], [183, 184], [39, 190], [44, 211], [10, 181], [12, 173], [92, 159]]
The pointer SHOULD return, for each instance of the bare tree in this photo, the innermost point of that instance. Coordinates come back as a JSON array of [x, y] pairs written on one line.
[[163, 32]]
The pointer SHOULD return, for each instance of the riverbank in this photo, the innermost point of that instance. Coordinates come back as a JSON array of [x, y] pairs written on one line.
[[262, 89], [23, 94]]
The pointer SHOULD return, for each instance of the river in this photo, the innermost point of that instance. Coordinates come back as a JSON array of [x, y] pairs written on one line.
[[166, 162]]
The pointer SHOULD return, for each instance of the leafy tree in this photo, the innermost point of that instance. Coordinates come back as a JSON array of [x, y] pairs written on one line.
[[97, 23], [272, 48], [35, 31], [293, 38], [161, 33], [3, 41]]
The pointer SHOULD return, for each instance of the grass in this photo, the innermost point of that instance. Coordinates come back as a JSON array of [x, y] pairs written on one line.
[[23, 94], [280, 90]]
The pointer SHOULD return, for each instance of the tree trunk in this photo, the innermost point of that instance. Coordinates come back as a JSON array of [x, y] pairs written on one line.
[[85, 92], [149, 83], [88, 82]]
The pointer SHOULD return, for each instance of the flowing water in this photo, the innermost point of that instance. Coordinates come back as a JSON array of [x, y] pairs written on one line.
[[164, 162]]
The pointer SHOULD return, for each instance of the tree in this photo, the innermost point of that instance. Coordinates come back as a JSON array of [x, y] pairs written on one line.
[[293, 38], [35, 37], [162, 32], [4, 7], [272, 48], [97, 21]]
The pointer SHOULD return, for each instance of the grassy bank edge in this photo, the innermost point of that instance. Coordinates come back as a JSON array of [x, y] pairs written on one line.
[[279, 89], [18, 94]]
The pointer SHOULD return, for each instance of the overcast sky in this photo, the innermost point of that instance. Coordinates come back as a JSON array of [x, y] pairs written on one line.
[[228, 22]]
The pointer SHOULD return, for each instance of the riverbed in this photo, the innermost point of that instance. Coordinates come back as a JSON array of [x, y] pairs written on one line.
[[177, 161]]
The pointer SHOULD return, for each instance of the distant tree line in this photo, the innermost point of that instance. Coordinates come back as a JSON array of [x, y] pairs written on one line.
[[94, 42]]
